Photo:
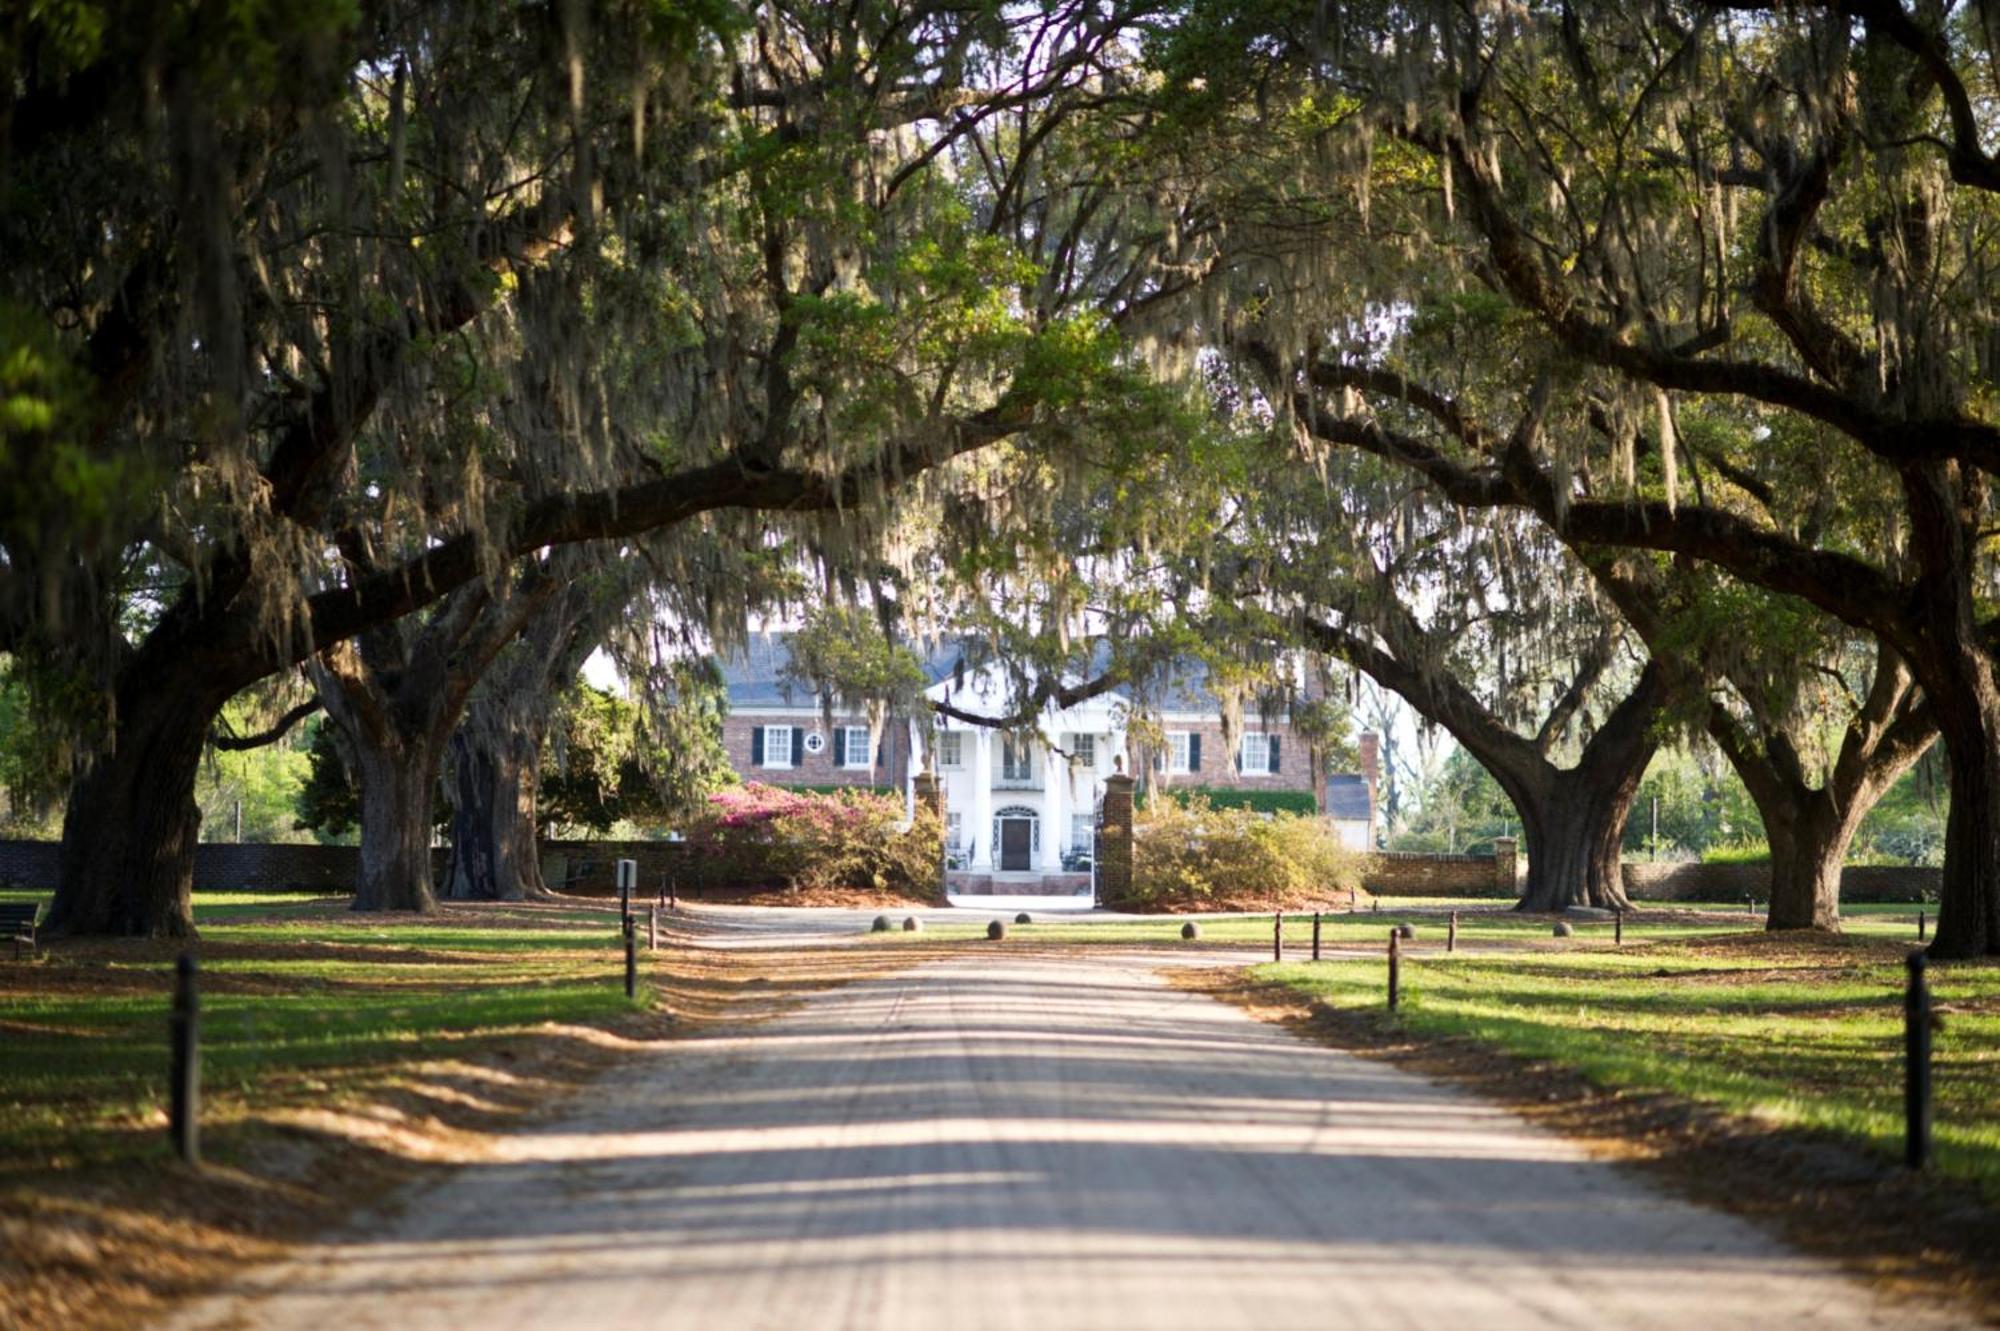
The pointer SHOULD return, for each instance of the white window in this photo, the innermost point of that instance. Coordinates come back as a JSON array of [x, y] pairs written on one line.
[[1259, 754], [1017, 760], [1083, 748], [1082, 831], [855, 752], [778, 746], [1180, 755], [954, 830], [950, 749]]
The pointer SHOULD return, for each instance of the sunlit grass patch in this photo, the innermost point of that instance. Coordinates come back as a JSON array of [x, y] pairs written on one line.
[[1783, 1029]]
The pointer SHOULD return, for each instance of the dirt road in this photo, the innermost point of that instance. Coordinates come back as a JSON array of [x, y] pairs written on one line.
[[1043, 1145]]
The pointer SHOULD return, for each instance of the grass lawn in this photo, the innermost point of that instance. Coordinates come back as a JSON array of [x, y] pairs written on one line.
[[342, 1055], [301, 1003], [1786, 1031], [1481, 921]]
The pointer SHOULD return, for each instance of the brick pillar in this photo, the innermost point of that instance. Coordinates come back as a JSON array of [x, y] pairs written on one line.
[[1114, 847], [1504, 866], [930, 793]]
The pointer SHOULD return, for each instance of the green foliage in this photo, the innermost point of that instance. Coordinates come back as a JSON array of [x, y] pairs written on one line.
[[1906, 826], [1700, 807], [328, 803], [1457, 809], [268, 782], [1194, 856], [843, 656], [609, 760], [1221, 797], [1737, 852]]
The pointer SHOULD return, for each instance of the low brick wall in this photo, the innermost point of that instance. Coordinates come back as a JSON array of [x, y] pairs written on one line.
[[219, 866], [1422, 874], [1733, 882]]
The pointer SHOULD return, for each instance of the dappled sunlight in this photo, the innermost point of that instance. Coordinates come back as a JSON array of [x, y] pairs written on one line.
[[1035, 1141]]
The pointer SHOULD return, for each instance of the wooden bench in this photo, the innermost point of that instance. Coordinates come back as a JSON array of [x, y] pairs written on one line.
[[17, 921]]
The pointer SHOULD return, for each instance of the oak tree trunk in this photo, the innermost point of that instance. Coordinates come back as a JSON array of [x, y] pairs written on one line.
[[1573, 823], [495, 850], [129, 833], [398, 783], [1809, 838], [1969, 906]]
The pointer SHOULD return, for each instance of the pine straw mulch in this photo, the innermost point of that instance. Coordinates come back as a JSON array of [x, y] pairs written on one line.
[[102, 1247], [1916, 1236]]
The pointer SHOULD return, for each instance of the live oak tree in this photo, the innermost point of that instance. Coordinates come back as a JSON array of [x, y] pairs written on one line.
[[1781, 213], [395, 229], [1487, 627]]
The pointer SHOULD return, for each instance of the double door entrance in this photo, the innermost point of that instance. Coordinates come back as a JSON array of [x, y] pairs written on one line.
[[1016, 838]]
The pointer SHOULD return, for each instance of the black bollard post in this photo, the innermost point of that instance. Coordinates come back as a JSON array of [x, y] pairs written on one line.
[[1921, 923], [653, 929], [1451, 933], [184, 1092], [1917, 1065], [1277, 935], [1353, 898], [631, 959], [1618, 928], [1395, 969], [1315, 935]]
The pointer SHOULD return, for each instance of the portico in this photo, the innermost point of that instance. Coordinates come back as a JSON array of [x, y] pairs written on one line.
[[1021, 802]]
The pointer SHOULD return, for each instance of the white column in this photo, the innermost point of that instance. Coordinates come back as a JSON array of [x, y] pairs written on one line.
[[1055, 822], [913, 764], [979, 823]]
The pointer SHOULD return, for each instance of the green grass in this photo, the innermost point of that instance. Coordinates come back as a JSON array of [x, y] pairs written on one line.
[[1795, 1034], [300, 1000], [1479, 922]]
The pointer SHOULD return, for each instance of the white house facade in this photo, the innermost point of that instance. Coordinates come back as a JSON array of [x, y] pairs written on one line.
[[1015, 803]]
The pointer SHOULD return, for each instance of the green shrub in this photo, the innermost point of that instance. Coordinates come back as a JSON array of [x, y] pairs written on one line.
[[1193, 854], [1737, 852], [1257, 801]]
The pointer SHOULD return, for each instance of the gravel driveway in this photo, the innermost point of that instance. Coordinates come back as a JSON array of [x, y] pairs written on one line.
[[1039, 1144]]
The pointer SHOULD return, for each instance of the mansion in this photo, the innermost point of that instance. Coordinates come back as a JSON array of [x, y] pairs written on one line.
[[1025, 805]]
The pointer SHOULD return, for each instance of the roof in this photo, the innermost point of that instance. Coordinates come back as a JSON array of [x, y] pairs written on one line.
[[754, 673], [1347, 797]]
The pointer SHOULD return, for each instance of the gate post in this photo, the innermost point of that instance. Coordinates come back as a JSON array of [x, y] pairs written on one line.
[[1114, 842], [929, 791]]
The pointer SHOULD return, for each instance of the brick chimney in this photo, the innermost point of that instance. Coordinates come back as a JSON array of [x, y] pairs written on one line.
[[1370, 762]]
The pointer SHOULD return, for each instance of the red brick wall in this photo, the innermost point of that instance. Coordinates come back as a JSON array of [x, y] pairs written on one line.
[[1218, 762], [815, 769]]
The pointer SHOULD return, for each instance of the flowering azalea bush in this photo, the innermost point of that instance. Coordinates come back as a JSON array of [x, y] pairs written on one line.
[[755, 835], [1194, 855]]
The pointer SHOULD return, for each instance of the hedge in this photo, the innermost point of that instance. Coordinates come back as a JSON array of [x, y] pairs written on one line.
[[1257, 801]]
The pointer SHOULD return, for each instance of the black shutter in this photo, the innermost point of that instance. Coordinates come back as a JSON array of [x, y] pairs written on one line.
[[1274, 755], [840, 746], [882, 752], [1194, 753], [757, 746], [798, 746]]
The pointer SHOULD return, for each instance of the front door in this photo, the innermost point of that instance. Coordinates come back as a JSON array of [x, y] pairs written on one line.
[[1015, 837]]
